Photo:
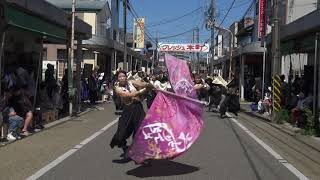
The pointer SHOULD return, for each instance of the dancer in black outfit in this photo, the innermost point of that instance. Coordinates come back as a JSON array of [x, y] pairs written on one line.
[[133, 112]]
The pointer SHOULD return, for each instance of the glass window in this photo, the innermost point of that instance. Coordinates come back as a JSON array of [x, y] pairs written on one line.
[[44, 54], [62, 54]]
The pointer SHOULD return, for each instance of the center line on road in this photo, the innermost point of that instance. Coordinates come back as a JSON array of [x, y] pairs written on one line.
[[280, 159], [61, 158]]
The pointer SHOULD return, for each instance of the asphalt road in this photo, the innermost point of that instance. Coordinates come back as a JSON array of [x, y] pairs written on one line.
[[223, 151]]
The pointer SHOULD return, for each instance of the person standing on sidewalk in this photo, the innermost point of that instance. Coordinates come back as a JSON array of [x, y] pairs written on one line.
[[93, 85], [133, 112]]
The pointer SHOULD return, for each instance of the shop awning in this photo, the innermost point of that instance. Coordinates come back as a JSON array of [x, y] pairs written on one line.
[[42, 17], [28, 22]]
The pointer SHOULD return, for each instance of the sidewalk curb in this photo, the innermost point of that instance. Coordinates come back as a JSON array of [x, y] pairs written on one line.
[[52, 124], [253, 114], [289, 132], [66, 119]]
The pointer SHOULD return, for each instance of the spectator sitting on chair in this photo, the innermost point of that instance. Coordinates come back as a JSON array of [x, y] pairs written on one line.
[[15, 123], [23, 108], [296, 113]]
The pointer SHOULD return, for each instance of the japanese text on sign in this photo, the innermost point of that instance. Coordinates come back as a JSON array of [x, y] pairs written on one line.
[[183, 47], [262, 18]]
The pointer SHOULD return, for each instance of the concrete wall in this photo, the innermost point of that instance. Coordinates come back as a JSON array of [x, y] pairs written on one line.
[[299, 8], [115, 10], [102, 20], [52, 51], [91, 19]]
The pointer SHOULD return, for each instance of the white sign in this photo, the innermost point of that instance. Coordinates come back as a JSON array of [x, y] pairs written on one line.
[[220, 44], [139, 35], [183, 47]]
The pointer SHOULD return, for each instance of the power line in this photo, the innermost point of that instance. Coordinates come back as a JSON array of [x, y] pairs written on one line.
[[168, 37], [225, 16], [227, 13], [162, 22], [237, 6], [174, 19], [135, 14]]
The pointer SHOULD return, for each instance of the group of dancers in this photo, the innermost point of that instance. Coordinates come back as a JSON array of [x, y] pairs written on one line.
[[219, 95]]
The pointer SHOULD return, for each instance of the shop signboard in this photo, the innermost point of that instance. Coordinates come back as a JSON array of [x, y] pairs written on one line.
[[139, 32], [190, 47]]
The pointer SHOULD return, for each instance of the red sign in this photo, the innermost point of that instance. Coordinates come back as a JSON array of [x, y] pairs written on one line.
[[262, 18]]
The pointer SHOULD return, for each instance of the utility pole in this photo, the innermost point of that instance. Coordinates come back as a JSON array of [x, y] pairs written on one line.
[[154, 54], [213, 20], [316, 83], [134, 34], [198, 54], [193, 58], [276, 39], [71, 59], [78, 75], [276, 60], [230, 49], [231, 56], [157, 51], [125, 66]]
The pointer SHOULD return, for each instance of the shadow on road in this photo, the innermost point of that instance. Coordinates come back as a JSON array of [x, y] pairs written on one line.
[[162, 168]]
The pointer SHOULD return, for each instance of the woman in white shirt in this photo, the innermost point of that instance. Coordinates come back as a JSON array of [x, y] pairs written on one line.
[[133, 112]]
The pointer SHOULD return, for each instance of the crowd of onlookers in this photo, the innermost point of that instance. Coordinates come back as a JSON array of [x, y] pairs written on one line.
[[22, 105], [296, 96]]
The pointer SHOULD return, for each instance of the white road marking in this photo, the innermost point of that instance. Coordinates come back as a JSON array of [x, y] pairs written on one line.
[[57, 161], [280, 159]]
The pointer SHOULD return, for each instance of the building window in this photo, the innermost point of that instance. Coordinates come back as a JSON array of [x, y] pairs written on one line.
[[118, 5], [257, 7], [115, 35], [62, 54], [61, 67], [44, 54]]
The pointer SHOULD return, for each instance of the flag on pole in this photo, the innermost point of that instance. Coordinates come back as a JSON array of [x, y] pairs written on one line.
[[174, 120], [171, 126], [180, 76]]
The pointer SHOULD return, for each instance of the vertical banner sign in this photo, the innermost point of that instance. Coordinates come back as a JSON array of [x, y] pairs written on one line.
[[139, 36], [262, 18]]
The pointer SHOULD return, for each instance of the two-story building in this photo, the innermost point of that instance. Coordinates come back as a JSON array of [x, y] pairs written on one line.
[[104, 49], [247, 51], [26, 25], [298, 29]]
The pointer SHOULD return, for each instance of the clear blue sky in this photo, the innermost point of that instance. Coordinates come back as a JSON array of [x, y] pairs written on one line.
[[161, 10]]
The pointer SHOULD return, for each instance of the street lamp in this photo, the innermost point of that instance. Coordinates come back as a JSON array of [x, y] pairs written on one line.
[[231, 45]]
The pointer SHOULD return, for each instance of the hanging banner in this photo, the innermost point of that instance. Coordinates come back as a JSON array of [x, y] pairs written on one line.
[[262, 18], [139, 32], [183, 47]]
